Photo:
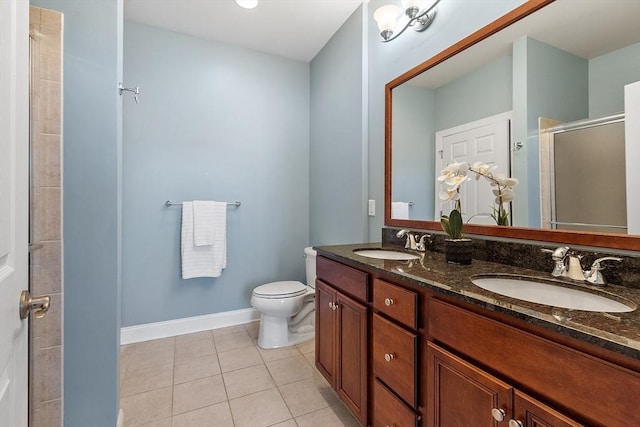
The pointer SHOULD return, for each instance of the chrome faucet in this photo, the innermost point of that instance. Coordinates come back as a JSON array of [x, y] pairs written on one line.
[[558, 255], [411, 243], [568, 264], [421, 246], [594, 275]]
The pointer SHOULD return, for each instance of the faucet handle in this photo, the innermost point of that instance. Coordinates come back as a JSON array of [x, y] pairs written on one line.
[[594, 275], [558, 254], [596, 264], [421, 245]]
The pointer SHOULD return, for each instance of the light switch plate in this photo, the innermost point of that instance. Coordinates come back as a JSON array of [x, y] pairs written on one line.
[[372, 208]]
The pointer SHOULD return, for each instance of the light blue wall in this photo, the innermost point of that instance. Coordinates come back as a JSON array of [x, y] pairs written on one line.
[[414, 111], [608, 74], [91, 198], [387, 61], [221, 123], [337, 151], [485, 92], [555, 85]]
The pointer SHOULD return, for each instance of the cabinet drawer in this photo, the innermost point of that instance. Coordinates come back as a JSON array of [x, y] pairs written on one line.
[[395, 358], [388, 410], [396, 302], [592, 388], [347, 279]]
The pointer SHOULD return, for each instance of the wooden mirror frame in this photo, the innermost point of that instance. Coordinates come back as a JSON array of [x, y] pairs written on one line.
[[613, 241]]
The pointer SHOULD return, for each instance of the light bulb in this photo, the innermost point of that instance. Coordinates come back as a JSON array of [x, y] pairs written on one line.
[[386, 17], [247, 4]]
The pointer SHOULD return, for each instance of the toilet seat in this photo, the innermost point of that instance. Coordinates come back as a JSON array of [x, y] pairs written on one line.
[[277, 290]]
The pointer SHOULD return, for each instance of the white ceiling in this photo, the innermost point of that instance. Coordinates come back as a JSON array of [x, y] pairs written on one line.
[[295, 29]]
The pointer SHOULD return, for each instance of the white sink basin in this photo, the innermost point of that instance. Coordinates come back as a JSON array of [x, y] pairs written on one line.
[[385, 254], [556, 295]]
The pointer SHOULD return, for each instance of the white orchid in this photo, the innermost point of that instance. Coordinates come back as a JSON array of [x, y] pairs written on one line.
[[455, 174], [449, 194]]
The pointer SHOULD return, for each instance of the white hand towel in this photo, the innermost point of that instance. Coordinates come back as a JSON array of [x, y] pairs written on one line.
[[220, 234], [200, 261], [399, 210], [203, 223]]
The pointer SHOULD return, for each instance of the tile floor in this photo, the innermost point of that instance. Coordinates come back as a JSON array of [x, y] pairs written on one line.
[[221, 378]]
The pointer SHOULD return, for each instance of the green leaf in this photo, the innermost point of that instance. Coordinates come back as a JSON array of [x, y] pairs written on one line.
[[444, 223], [455, 224]]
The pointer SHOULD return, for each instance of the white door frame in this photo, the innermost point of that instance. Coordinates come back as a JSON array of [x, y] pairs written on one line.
[[14, 209]]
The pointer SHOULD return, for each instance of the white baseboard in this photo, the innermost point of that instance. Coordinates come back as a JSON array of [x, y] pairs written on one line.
[[189, 325], [120, 419]]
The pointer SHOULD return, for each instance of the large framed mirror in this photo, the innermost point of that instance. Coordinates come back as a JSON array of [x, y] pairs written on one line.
[[547, 72]]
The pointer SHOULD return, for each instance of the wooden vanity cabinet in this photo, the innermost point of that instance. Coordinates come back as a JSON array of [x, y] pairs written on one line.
[[402, 355], [395, 355], [577, 384], [341, 333], [464, 395]]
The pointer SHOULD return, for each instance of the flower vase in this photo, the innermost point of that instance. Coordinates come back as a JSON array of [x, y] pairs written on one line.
[[458, 251]]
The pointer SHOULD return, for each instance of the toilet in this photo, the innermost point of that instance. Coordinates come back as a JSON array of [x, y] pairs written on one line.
[[287, 309]]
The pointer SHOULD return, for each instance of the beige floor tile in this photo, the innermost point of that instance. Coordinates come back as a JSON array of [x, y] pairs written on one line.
[[194, 345], [288, 370], [308, 395], [311, 358], [278, 353], [196, 336], [233, 341], [260, 409], [335, 416], [230, 330], [143, 408], [147, 379], [196, 368], [212, 416], [253, 328], [158, 344], [288, 423], [198, 394], [238, 359], [307, 346], [166, 422], [146, 358], [247, 381]]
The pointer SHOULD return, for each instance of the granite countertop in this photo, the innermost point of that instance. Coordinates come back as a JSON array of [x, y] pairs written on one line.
[[618, 332]]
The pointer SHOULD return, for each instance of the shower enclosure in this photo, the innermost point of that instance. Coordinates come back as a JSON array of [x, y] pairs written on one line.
[[45, 215]]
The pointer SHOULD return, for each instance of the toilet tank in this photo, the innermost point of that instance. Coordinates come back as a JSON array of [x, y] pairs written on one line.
[[310, 265]]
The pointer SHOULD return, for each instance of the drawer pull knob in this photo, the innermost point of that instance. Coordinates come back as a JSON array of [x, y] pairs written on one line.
[[389, 357], [498, 414], [333, 306], [388, 302], [515, 423]]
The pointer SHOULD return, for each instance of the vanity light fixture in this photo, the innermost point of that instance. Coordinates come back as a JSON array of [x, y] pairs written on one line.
[[420, 13], [247, 4]]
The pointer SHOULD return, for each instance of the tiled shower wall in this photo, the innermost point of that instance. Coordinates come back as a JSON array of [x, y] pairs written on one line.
[[45, 347]]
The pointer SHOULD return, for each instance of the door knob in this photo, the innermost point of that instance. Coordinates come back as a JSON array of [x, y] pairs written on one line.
[[39, 305]]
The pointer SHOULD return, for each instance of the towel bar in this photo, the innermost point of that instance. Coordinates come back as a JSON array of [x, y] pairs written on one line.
[[170, 203]]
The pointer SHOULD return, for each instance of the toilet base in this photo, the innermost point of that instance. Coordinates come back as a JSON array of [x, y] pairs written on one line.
[[275, 332]]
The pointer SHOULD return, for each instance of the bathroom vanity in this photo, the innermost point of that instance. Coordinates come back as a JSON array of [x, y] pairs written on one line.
[[415, 343]]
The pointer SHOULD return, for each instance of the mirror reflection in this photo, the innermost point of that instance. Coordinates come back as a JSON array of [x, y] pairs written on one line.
[[543, 101]]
